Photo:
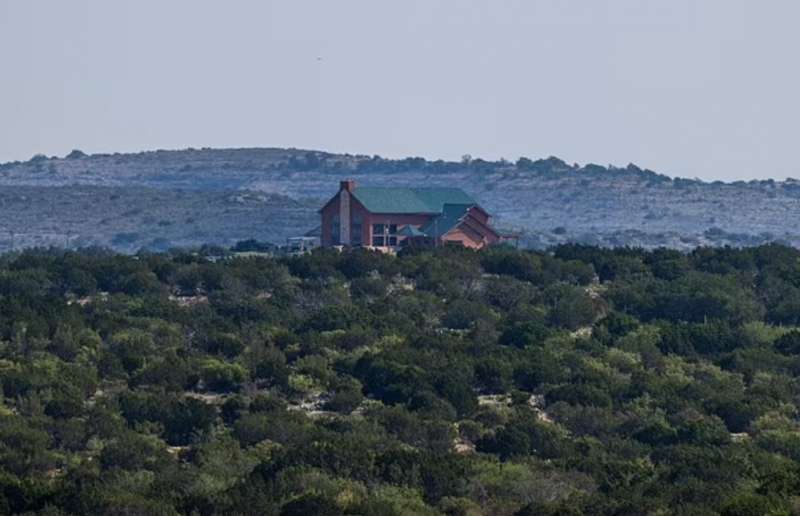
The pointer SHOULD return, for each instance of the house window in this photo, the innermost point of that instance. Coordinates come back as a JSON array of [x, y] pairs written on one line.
[[335, 230], [355, 230], [384, 235]]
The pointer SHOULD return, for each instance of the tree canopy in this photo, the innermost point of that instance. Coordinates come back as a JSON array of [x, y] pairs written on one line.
[[576, 381]]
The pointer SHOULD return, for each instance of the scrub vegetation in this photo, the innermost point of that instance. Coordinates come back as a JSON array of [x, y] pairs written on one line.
[[580, 380]]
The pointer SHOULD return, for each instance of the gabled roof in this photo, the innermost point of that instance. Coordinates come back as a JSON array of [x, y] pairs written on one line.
[[410, 200], [451, 215], [410, 231]]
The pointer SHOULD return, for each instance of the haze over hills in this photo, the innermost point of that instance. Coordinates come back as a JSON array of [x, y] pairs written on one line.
[[161, 199]]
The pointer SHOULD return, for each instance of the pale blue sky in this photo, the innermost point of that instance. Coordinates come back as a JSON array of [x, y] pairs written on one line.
[[703, 88]]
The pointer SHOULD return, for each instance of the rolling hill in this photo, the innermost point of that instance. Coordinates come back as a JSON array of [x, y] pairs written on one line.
[[159, 199]]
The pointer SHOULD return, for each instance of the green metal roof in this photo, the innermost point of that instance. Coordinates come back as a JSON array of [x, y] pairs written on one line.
[[410, 200], [410, 231], [450, 217]]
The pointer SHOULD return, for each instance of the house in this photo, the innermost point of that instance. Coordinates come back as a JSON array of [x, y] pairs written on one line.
[[390, 218]]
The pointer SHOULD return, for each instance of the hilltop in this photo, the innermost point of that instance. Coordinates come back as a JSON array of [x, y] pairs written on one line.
[[159, 199]]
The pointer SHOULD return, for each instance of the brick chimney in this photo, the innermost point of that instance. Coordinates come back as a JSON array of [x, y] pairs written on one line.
[[345, 190]]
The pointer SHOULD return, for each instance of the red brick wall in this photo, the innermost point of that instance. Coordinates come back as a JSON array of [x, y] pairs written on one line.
[[368, 219], [356, 208], [328, 212], [400, 220]]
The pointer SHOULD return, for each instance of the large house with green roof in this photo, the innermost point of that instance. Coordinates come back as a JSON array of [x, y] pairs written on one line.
[[390, 218]]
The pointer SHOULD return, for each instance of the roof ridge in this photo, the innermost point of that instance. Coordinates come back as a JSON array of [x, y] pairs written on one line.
[[407, 199]]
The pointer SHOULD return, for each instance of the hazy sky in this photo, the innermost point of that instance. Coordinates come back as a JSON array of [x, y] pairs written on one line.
[[705, 88]]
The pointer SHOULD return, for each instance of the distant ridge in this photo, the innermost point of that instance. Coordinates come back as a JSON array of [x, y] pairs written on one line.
[[159, 198], [295, 157]]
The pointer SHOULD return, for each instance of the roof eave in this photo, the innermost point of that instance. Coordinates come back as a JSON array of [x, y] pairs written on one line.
[[403, 213]]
